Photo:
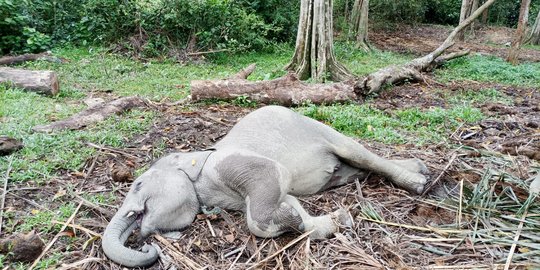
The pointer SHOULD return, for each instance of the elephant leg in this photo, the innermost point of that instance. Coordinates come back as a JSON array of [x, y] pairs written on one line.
[[289, 215], [413, 164], [358, 156], [322, 226]]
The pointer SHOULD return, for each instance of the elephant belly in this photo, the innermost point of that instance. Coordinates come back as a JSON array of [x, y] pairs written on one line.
[[312, 177]]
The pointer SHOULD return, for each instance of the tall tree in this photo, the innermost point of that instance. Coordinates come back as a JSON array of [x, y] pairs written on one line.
[[520, 31], [359, 24], [463, 15], [534, 37], [314, 53]]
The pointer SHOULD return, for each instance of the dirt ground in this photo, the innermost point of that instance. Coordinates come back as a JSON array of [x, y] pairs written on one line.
[[222, 241], [423, 39]]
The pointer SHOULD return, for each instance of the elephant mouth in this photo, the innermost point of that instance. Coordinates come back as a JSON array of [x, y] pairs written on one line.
[[138, 215]]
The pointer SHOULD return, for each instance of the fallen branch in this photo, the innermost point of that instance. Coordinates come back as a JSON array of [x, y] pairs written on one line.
[[44, 81], [374, 82], [56, 237], [6, 178], [93, 114]]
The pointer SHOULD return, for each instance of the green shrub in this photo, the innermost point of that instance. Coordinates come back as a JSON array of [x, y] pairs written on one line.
[[16, 31]]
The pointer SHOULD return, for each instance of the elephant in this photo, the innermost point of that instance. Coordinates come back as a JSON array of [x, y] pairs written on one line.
[[270, 156]]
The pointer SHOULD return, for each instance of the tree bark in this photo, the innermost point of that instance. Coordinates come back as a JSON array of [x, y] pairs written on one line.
[[463, 15], [359, 24], [11, 60], [534, 37], [93, 114], [44, 82], [314, 53], [485, 16], [287, 90], [520, 32], [9, 145], [474, 7]]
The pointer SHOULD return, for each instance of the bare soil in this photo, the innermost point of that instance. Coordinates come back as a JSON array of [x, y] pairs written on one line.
[[222, 241], [423, 39]]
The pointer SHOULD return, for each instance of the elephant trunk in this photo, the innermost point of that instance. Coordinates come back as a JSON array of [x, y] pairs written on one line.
[[114, 237]]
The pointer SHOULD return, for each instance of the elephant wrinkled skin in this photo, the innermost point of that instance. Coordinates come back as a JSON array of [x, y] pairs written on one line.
[[270, 156]]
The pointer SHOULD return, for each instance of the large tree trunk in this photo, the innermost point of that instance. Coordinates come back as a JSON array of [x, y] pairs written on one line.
[[463, 15], [534, 37], [287, 90], [314, 54], [485, 16], [359, 24], [474, 7], [520, 32], [45, 82]]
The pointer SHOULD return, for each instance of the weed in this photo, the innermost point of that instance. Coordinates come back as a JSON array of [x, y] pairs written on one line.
[[481, 96], [491, 69], [403, 126]]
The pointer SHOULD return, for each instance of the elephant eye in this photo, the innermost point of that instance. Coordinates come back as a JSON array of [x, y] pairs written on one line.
[[138, 186]]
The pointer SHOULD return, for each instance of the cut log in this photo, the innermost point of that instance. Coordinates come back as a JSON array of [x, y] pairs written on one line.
[[12, 60], [40, 81], [93, 114], [9, 145], [287, 90]]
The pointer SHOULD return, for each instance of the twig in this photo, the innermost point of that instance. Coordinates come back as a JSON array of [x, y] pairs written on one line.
[[210, 227], [6, 178], [432, 184], [207, 52], [56, 236], [176, 254], [92, 205], [418, 228], [459, 213], [81, 262], [516, 239], [298, 239], [78, 227]]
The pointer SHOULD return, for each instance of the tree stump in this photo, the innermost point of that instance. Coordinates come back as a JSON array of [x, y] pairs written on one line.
[[44, 82]]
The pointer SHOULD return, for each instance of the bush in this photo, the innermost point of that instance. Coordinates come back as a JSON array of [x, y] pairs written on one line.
[[16, 33], [398, 11]]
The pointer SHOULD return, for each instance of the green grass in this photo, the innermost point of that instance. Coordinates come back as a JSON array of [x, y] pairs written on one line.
[[482, 96], [491, 69], [44, 154], [402, 126]]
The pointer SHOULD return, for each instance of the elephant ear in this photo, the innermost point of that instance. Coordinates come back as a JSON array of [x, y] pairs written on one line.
[[192, 163]]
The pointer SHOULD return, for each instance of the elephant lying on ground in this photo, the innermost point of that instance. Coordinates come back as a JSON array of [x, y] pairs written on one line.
[[270, 156]]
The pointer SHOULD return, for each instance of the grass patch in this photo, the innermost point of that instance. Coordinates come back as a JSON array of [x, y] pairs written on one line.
[[490, 69], [402, 126], [482, 96], [44, 154]]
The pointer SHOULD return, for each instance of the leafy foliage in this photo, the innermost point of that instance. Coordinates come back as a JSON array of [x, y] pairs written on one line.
[[16, 33], [150, 26]]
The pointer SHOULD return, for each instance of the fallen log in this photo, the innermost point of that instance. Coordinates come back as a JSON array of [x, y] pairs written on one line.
[[12, 60], [93, 114], [287, 90], [9, 145], [40, 81], [375, 82]]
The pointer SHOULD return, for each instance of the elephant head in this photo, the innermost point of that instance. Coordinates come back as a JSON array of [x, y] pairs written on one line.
[[161, 199]]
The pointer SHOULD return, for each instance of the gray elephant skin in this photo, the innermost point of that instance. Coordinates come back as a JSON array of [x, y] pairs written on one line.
[[270, 156]]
